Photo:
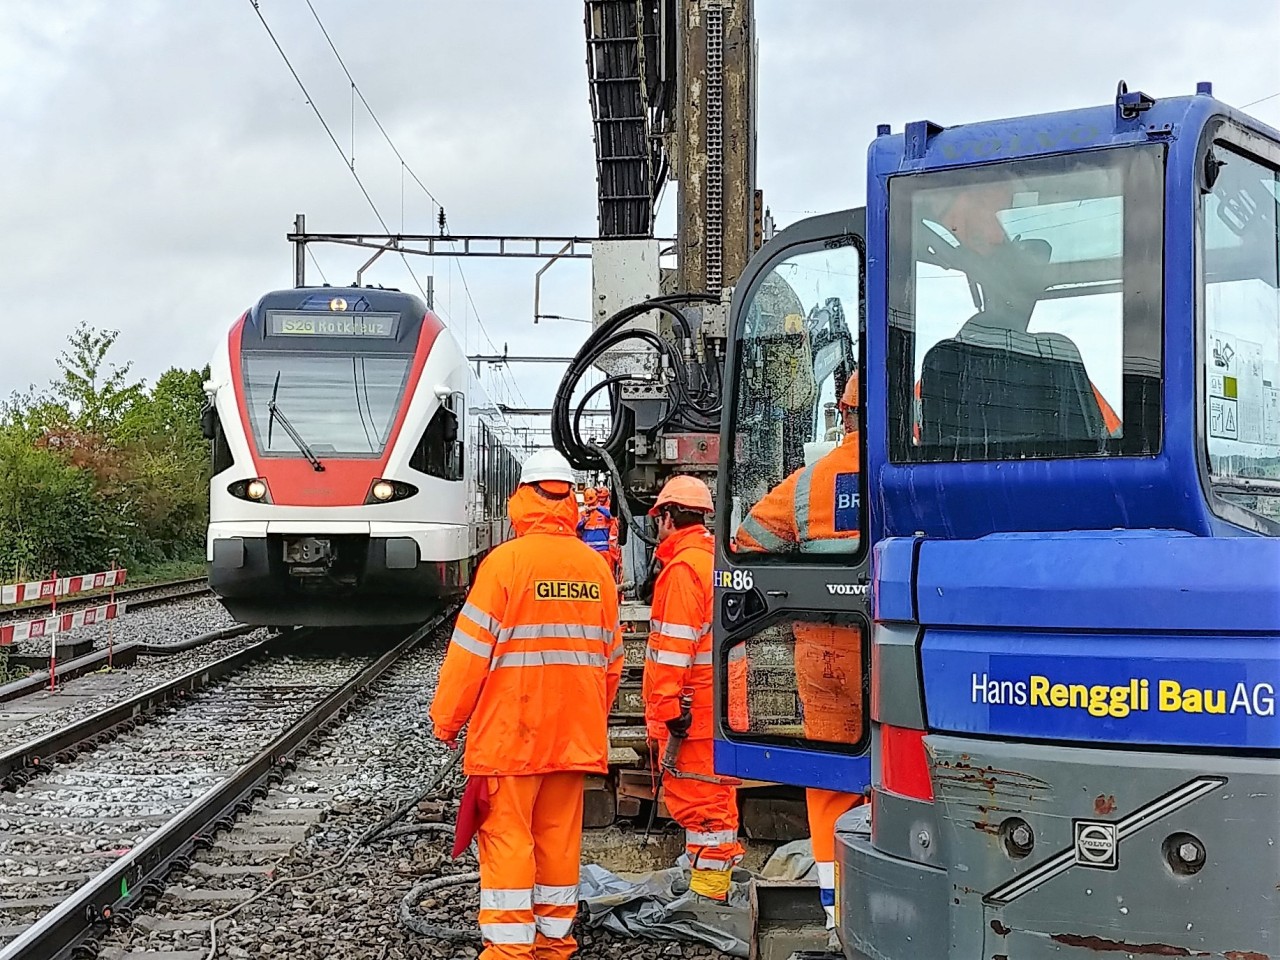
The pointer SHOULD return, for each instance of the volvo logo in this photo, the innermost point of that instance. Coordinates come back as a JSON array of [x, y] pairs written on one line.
[[848, 589], [1097, 844]]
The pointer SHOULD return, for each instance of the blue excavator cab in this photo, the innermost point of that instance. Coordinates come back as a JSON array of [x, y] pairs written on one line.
[[1051, 657]]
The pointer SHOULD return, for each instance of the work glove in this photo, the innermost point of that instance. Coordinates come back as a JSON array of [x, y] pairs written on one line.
[[679, 727]]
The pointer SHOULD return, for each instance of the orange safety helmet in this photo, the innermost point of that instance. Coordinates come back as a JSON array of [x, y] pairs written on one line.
[[602, 496], [849, 398], [688, 492], [589, 496]]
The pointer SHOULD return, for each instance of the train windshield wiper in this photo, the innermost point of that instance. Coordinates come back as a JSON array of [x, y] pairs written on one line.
[[274, 414]]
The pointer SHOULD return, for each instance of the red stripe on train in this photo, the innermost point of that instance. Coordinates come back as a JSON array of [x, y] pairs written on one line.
[[343, 482]]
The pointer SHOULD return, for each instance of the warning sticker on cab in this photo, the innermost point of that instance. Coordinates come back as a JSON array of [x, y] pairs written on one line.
[[566, 590], [1212, 692]]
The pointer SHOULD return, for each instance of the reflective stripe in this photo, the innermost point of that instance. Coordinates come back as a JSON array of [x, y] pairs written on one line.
[[471, 644], [617, 654], [714, 838], [508, 932], [481, 619], [738, 653], [546, 658], [667, 658], [826, 874], [554, 928], [506, 899], [552, 896], [676, 631], [804, 491], [770, 541], [702, 659], [555, 631], [830, 545]]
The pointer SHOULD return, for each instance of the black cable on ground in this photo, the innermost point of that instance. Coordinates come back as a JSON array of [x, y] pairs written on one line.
[[435, 930], [376, 830], [164, 649]]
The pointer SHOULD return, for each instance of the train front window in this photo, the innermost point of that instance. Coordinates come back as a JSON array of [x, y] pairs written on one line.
[[1024, 312], [341, 405], [1241, 316]]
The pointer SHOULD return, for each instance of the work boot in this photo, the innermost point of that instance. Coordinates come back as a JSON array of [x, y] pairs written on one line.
[[712, 884]]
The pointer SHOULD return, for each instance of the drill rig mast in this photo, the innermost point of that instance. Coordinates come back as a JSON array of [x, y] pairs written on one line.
[[673, 98]]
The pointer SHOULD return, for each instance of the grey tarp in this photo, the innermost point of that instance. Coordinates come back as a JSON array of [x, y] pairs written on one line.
[[791, 861], [659, 906]]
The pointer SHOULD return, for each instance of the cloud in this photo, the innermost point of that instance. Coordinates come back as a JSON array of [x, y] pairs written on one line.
[[155, 153]]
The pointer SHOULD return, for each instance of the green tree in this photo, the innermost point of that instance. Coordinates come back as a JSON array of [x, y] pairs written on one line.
[[98, 467], [97, 395]]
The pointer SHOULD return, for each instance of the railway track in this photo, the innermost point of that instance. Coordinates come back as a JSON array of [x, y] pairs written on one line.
[[148, 595], [131, 791]]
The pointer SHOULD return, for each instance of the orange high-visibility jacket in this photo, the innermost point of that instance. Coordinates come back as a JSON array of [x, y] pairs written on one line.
[[815, 510], [536, 655], [679, 649]]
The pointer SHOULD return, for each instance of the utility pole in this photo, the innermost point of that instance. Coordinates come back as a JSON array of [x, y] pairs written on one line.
[[300, 251]]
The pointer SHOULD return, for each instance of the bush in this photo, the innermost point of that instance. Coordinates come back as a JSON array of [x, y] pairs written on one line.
[[101, 468]]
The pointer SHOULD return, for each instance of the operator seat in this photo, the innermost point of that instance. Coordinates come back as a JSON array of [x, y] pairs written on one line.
[[992, 385]]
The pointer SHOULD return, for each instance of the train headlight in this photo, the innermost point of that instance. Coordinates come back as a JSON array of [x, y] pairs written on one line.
[[254, 490], [389, 491]]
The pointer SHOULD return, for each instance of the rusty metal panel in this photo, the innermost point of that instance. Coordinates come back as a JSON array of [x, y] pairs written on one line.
[[714, 147], [691, 449]]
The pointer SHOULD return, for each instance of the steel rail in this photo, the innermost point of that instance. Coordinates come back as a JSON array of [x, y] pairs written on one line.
[[68, 929], [20, 763], [121, 656]]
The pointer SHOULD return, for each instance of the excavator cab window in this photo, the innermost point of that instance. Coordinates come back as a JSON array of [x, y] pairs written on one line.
[[1241, 315], [1025, 310], [796, 352]]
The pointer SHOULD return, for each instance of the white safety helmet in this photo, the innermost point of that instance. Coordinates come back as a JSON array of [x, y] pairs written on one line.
[[546, 465]]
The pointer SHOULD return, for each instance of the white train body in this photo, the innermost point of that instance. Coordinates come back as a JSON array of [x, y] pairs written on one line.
[[360, 471]]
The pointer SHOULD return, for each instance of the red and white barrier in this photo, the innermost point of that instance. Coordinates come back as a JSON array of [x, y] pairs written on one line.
[[61, 623], [59, 587]]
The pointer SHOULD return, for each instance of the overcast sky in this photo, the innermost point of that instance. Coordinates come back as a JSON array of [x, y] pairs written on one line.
[[153, 152]]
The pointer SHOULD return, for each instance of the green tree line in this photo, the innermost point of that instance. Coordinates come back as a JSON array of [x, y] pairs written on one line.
[[100, 467]]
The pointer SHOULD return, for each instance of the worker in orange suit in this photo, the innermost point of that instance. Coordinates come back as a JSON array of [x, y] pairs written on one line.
[[817, 510], [615, 550], [678, 660], [594, 526], [533, 666]]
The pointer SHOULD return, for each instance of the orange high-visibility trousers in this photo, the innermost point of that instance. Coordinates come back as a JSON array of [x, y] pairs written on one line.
[[530, 846], [829, 679], [707, 811], [824, 808]]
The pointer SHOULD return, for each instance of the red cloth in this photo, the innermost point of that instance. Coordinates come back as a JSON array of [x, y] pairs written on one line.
[[472, 810]]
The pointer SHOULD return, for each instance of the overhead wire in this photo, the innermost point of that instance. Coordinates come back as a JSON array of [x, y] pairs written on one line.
[[1254, 103], [407, 168], [333, 139], [316, 263]]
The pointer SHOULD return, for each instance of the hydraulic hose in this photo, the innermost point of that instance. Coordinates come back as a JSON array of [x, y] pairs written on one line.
[[687, 406]]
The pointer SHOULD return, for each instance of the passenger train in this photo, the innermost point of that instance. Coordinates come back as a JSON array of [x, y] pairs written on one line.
[[359, 470]]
